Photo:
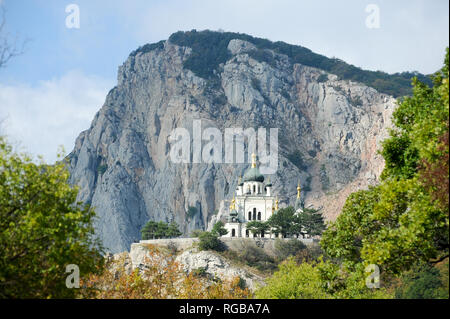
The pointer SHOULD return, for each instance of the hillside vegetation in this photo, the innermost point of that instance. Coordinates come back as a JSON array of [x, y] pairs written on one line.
[[209, 49]]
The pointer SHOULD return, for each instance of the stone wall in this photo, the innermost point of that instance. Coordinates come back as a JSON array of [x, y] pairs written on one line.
[[180, 243], [236, 244]]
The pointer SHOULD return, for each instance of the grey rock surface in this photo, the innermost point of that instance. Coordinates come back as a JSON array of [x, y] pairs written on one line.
[[190, 260], [217, 266], [329, 132]]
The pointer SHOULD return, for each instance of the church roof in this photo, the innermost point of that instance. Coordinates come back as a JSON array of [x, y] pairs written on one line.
[[253, 175]]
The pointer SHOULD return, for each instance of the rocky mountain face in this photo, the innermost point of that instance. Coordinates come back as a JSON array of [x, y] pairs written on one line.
[[329, 133]]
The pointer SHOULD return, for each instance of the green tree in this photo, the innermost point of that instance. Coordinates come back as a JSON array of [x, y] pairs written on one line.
[[196, 232], [173, 230], [293, 281], [156, 230], [311, 222], [257, 227], [423, 281], [149, 230], [42, 228], [162, 229], [219, 229], [283, 221], [209, 241], [318, 280]]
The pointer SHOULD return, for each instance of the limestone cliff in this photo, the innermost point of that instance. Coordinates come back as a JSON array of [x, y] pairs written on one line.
[[329, 132]]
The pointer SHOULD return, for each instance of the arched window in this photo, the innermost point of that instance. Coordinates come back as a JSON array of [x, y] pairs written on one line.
[[262, 233], [247, 233], [249, 215], [233, 233], [254, 189], [259, 215], [254, 213]]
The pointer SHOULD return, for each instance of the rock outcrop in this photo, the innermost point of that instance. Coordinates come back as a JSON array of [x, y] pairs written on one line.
[[216, 266], [329, 133], [190, 260]]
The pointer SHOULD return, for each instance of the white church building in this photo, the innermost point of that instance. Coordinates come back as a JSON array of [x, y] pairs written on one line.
[[253, 201]]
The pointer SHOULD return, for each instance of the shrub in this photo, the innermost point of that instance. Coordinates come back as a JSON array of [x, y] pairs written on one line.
[[172, 247], [209, 241], [322, 78], [263, 56], [355, 101], [256, 257], [200, 272], [152, 230], [294, 281], [291, 247], [192, 210], [324, 179], [309, 254], [296, 158], [196, 233], [219, 229], [318, 280], [423, 282], [102, 168], [148, 47]]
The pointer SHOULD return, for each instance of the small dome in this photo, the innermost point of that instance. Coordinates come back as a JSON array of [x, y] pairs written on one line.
[[253, 175], [233, 217]]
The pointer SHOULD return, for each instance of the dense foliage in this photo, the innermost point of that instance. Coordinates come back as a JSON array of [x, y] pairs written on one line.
[[156, 230], [219, 229], [42, 229], [148, 47], [247, 253], [209, 50], [257, 227], [287, 248], [318, 280], [312, 222], [210, 240], [287, 222], [424, 281]]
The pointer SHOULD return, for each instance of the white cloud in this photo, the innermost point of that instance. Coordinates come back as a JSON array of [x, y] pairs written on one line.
[[39, 119]]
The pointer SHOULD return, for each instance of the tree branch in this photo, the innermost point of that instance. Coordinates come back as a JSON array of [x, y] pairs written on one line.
[[439, 259]]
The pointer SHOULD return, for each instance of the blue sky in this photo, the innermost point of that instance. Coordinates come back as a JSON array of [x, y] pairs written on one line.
[[52, 91]]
